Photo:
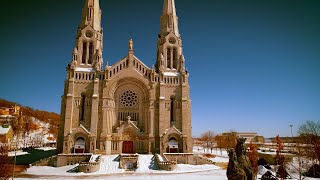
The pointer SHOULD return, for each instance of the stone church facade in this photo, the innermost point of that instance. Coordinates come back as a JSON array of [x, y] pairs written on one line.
[[127, 107]]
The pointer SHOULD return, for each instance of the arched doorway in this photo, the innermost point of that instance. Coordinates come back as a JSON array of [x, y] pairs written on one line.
[[173, 145], [80, 145], [127, 147]]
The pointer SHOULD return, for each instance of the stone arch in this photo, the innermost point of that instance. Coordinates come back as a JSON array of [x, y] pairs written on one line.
[[173, 143], [130, 97], [110, 91], [79, 138]]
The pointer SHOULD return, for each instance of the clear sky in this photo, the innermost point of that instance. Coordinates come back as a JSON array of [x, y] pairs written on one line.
[[254, 64]]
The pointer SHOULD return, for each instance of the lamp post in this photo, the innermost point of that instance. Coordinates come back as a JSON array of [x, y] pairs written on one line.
[[15, 158], [291, 137], [291, 132]]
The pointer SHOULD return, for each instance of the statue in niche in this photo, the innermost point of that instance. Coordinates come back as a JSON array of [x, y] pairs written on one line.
[[239, 166], [128, 119], [74, 63]]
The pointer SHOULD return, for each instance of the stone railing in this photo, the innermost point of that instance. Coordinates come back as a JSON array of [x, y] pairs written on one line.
[[164, 164], [187, 158], [90, 167], [204, 160]]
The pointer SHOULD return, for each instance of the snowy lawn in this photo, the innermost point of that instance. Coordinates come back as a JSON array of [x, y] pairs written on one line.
[[110, 166]]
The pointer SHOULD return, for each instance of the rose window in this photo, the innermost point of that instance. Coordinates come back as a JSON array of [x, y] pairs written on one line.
[[129, 99]]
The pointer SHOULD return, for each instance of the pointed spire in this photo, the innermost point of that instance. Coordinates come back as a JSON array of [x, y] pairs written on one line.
[[91, 15], [169, 18], [75, 51]]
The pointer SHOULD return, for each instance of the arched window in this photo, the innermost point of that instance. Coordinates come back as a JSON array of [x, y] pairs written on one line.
[[172, 110], [90, 53], [84, 52], [168, 58], [83, 99], [174, 58], [90, 14]]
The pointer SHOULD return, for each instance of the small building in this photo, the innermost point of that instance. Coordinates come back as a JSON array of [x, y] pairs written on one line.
[[14, 110], [6, 133], [252, 137], [6, 119]]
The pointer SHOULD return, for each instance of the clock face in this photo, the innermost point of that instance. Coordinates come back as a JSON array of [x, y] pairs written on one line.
[[88, 34]]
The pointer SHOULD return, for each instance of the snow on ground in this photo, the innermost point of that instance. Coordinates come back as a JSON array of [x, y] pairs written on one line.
[[94, 158], [110, 165], [221, 156], [147, 170], [18, 153], [46, 148], [146, 163], [208, 175], [219, 159], [201, 150]]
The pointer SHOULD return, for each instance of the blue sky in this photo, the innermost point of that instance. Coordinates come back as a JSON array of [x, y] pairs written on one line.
[[254, 64]]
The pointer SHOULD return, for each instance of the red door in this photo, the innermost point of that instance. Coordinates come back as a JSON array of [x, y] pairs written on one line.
[[127, 147]]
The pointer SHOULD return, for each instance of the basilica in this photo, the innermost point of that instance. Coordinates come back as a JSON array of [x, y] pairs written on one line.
[[126, 107]]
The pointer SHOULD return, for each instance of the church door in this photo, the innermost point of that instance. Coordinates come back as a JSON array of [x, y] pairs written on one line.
[[127, 147], [80, 145]]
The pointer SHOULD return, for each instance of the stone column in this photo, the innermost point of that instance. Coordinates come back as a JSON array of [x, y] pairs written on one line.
[[95, 108], [69, 108]]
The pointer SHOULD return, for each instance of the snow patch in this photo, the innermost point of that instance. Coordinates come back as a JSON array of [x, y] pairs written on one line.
[[17, 153]]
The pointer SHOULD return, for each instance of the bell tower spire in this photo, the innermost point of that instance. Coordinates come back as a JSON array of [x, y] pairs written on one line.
[[89, 44], [91, 14], [169, 41], [169, 18]]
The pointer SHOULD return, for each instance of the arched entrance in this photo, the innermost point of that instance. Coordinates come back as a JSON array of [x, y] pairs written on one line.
[[127, 147], [80, 145], [173, 145]]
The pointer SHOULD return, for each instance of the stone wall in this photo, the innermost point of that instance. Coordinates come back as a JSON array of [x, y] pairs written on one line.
[[90, 167], [187, 158], [51, 161], [129, 161], [70, 159]]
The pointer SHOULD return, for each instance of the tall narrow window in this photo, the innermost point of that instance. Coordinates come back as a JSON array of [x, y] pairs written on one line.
[[172, 110], [84, 52], [90, 53], [174, 58], [83, 99], [90, 14], [168, 58]]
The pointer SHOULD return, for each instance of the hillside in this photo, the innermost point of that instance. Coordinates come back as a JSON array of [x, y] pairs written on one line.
[[31, 123]]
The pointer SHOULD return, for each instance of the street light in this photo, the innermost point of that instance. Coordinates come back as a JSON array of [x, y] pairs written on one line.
[[291, 137], [291, 132]]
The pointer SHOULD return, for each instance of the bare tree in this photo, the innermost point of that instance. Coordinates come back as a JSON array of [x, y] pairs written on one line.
[[208, 138], [310, 132], [309, 127], [300, 162]]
